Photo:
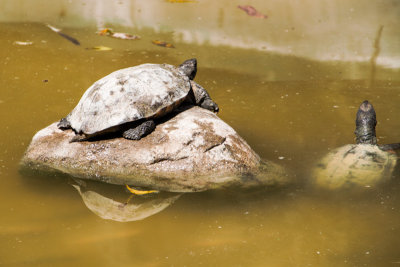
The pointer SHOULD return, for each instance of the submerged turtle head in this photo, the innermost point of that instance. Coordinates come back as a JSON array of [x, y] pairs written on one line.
[[189, 68], [365, 124]]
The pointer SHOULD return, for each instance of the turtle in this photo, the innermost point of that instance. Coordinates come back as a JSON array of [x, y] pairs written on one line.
[[128, 101], [362, 164]]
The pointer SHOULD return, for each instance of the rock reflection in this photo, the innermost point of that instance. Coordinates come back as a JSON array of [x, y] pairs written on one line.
[[112, 202]]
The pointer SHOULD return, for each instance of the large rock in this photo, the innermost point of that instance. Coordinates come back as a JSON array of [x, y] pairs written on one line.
[[192, 151]]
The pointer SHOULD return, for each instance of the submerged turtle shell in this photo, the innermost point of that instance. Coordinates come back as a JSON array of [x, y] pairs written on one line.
[[127, 95], [349, 165]]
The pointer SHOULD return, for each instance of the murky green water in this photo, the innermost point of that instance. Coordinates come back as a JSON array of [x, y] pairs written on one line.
[[290, 107]]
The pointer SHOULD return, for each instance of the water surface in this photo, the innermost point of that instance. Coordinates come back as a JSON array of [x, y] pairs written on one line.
[[290, 107]]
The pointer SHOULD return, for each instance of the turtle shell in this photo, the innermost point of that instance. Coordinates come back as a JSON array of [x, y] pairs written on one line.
[[127, 95], [354, 165]]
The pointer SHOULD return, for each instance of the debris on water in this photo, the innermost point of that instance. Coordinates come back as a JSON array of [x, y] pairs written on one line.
[[118, 35], [163, 44], [101, 48], [281, 158], [335, 106], [125, 36], [23, 43], [140, 192], [58, 31], [251, 11]]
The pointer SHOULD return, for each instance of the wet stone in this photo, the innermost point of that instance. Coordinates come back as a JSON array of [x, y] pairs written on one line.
[[192, 151]]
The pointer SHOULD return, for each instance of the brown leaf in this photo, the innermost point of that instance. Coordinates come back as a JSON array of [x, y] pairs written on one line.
[[163, 44], [251, 11], [105, 31]]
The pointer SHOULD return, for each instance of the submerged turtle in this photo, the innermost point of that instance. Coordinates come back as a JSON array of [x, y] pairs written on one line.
[[365, 163], [129, 100]]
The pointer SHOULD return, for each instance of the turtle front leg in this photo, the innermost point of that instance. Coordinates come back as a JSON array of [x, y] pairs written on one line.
[[140, 131], [202, 98], [210, 105], [64, 124]]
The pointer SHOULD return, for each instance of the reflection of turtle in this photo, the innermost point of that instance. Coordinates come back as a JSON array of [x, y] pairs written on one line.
[[128, 100], [111, 202], [364, 163]]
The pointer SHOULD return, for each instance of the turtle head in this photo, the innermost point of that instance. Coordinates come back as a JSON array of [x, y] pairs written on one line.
[[189, 68], [365, 124]]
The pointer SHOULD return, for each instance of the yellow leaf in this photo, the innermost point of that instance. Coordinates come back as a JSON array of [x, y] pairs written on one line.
[[102, 48], [140, 192]]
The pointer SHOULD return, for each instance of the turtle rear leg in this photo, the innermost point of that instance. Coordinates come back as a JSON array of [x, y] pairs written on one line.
[[64, 124], [79, 138], [140, 131]]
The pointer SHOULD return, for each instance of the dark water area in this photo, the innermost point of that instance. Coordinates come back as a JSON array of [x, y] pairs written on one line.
[[291, 108]]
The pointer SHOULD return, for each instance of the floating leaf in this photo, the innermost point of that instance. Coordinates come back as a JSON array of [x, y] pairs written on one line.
[[163, 44], [251, 11], [23, 43], [105, 31], [140, 192], [58, 31], [125, 36], [101, 48], [119, 35], [54, 29]]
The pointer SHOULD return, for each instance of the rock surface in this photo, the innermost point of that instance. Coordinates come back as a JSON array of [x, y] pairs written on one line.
[[192, 151]]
